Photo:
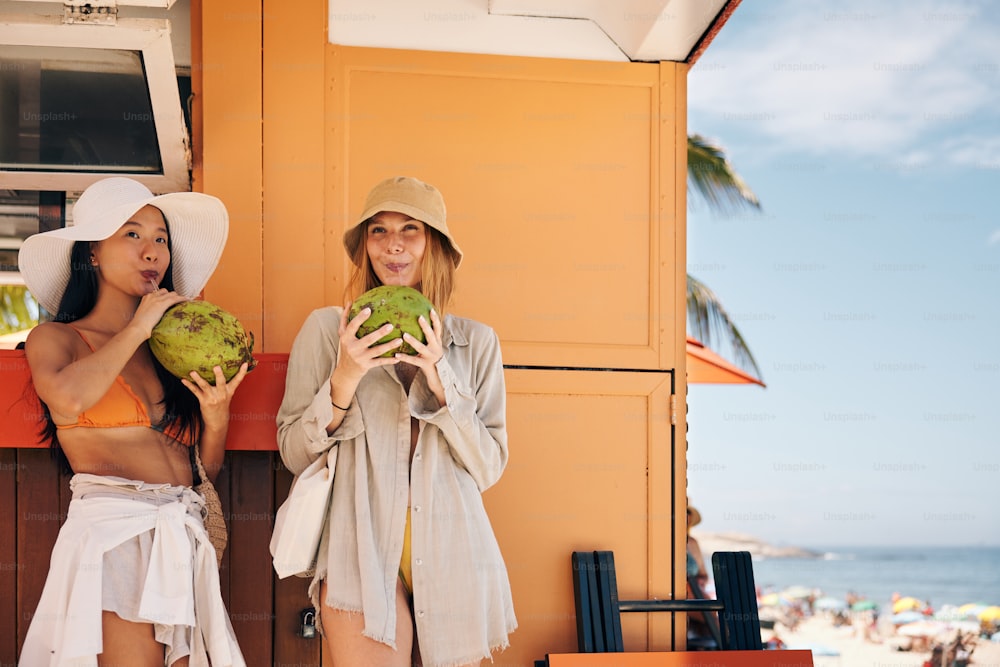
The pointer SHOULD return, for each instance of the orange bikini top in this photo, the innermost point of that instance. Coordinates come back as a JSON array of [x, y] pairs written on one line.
[[117, 408]]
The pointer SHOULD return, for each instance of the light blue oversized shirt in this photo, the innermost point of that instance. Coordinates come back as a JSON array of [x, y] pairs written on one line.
[[462, 602]]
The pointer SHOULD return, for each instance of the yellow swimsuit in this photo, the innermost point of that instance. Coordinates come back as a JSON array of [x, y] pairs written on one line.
[[405, 562], [405, 566]]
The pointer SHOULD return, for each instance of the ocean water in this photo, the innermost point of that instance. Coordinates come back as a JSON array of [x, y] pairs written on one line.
[[939, 575]]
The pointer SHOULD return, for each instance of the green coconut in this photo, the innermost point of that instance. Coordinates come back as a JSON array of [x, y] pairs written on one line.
[[397, 305], [198, 336]]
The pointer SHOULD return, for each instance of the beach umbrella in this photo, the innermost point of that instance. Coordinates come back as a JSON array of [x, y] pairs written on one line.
[[773, 600], [797, 593], [972, 609], [949, 612], [989, 614], [830, 604], [964, 626], [921, 629], [906, 617], [906, 604], [864, 605], [705, 366]]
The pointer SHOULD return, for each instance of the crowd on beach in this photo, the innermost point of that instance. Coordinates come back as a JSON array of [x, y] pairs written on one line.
[[948, 635], [853, 627]]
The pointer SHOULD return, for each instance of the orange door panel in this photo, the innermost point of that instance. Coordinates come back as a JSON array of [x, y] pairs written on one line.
[[550, 171], [589, 469]]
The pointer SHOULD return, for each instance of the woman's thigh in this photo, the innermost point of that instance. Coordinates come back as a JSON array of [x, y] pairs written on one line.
[[349, 647], [128, 644]]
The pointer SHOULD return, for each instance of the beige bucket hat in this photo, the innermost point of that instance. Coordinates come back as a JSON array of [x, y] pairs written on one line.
[[409, 196], [199, 227]]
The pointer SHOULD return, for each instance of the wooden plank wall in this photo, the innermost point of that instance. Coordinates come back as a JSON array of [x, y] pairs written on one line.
[[265, 611]]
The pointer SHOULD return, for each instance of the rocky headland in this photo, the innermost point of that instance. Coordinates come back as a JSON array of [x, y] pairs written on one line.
[[712, 542]]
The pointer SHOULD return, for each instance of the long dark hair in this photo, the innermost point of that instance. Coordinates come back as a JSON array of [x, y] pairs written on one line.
[[181, 408]]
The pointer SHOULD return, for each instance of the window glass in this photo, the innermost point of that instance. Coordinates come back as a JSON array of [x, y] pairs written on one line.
[[75, 109]]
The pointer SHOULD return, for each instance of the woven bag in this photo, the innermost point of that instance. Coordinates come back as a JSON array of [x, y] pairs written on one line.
[[215, 522]]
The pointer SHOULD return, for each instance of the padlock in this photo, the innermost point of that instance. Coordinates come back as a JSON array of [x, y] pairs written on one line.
[[307, 627]]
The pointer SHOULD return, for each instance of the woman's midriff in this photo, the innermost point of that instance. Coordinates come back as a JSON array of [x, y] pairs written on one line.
[[133, 452]]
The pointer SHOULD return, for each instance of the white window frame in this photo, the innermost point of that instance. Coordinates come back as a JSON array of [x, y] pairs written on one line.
[[152, 38]]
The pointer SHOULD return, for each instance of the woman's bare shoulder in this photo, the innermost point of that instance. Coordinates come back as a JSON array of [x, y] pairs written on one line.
[[51, 331], [50, 339]]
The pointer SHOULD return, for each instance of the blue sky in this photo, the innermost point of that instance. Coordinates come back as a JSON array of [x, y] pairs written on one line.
[[868, 287]]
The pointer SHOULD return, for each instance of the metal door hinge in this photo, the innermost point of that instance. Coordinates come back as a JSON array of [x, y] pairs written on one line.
[[673, 409]]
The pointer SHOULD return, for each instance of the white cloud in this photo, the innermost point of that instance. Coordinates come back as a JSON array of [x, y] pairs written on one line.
[[973, 150], [995, 237], [904, 78]]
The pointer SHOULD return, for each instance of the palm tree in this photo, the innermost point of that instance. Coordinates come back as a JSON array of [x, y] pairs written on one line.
[[711, 175]]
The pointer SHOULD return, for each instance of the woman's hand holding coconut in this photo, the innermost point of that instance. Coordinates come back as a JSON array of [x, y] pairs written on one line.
[[151, 309], [357, 355], [428, 354], [215, 399]]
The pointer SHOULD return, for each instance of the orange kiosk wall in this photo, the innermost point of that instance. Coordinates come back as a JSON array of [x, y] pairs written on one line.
[[565, 183]]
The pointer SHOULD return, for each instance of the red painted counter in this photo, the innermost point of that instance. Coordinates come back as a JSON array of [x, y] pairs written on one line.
[[252, 425]]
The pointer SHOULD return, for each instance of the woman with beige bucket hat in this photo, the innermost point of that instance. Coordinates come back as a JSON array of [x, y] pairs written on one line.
[[133, 578], [409, 570]]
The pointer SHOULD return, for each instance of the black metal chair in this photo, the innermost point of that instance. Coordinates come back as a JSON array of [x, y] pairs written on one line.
[[598, 609]]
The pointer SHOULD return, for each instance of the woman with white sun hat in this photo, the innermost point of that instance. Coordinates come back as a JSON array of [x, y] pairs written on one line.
[[133, 577]]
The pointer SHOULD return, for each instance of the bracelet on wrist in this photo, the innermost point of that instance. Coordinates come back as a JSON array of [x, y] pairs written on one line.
[[338, 407]]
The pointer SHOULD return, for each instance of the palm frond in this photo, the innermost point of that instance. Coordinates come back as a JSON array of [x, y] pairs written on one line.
[[712, 176], [709, 321]]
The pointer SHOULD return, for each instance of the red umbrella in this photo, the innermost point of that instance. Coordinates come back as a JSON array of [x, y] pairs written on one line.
[[707, 367]]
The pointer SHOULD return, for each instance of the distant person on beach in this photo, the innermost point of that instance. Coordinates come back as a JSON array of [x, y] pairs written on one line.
[[870, 630], [774, 642], [697, 576], [695, 560]]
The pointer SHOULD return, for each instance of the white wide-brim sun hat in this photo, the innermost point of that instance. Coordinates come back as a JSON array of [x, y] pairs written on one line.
[[198, 225]]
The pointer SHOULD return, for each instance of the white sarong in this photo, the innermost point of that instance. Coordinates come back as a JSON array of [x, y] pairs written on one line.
[[179, 591]]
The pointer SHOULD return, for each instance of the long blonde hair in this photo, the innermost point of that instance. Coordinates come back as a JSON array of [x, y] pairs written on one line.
[[437, 270]]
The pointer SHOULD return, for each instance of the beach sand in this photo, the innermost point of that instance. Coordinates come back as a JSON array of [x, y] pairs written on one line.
[[818, 631]]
